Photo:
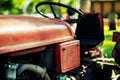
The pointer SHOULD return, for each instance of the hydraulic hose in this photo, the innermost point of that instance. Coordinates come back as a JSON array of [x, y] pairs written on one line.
[[35, 69]]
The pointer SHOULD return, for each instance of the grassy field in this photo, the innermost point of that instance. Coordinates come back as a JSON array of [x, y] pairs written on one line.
[[108, 45]]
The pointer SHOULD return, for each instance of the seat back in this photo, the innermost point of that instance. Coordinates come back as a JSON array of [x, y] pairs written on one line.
[[90, 31]]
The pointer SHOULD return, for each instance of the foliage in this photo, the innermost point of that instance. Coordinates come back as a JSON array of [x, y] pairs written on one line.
[[24, 6], [3, 6]]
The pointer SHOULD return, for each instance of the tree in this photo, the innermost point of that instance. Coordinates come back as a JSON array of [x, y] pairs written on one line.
[[3, 7], [85, 5]]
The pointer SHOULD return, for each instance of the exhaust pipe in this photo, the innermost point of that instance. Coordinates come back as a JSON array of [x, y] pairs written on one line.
[[35, 69]]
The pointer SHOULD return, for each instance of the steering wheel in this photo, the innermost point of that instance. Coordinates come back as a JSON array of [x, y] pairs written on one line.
[[53, 10]]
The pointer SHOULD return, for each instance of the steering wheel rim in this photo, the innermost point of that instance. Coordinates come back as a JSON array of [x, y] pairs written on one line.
[[57, 4]]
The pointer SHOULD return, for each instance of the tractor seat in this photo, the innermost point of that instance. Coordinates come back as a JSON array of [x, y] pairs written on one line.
[[90, 31]]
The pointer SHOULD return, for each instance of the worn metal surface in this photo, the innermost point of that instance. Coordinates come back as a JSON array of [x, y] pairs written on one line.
[[23, 32], [67, 56]]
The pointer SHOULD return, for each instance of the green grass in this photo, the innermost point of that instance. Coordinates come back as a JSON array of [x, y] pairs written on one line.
[[108, 44]]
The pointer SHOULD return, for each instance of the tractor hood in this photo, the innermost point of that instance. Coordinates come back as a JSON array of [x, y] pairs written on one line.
[[23, 32]]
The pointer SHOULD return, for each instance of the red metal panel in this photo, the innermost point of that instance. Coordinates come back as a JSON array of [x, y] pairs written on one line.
[[23, 32], [26, 51], [115, 36], [67, 56]]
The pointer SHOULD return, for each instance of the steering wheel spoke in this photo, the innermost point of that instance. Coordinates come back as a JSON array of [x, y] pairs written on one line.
[[55, 16]]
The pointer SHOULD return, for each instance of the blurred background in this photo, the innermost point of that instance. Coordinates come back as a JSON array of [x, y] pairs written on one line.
[[110, 9], [105, 7], [27, 6]]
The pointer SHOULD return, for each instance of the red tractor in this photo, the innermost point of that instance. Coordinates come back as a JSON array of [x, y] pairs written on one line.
[[47, 48]]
